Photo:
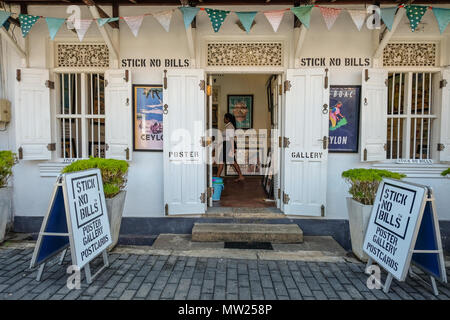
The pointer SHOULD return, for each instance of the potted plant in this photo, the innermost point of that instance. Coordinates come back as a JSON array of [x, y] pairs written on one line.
[[363, 188], [7, 160], [114, 174], [446, 173]]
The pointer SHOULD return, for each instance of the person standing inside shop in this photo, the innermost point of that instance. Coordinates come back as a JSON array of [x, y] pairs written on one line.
[[229, 147]]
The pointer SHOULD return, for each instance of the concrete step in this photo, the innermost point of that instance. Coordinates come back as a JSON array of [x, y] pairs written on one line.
[[247, 232]]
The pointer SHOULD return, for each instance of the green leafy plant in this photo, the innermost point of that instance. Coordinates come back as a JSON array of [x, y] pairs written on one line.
[[445, 172], [364, 183], [113, 173], [7, 160]]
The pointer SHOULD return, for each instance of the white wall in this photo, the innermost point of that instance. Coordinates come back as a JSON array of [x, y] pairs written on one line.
[[145, 189]]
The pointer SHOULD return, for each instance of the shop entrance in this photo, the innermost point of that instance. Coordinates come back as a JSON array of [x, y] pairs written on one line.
[[292, 131], [242, 111]]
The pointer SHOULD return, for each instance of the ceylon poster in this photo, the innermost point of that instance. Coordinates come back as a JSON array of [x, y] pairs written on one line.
[[148, 117]]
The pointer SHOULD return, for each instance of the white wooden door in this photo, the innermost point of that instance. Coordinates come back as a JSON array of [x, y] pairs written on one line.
[[184, 156], [118, 130], [305, 151], [32, 113], [444, 154]]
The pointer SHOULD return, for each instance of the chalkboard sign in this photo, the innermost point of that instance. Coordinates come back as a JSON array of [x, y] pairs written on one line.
[[76, 219], [404, 229]]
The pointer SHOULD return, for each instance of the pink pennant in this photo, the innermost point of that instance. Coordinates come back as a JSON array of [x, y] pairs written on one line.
[[274, 18], [330, 15], [134, 23]]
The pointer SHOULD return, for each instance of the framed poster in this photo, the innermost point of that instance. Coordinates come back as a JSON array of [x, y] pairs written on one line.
[[241, 106], [215, 117], [147, 117], [344, 118]]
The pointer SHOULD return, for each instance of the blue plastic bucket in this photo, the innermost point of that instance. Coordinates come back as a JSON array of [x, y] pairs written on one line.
[[218, 187]]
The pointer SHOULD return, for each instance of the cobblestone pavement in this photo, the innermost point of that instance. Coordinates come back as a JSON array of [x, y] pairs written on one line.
[[132, 276]]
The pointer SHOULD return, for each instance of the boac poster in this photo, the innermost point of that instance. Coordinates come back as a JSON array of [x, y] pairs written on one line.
[[344, 118], [148, 117]]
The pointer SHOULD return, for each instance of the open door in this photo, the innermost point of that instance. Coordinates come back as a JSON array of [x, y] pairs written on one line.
[[305, 142], [184, 151]]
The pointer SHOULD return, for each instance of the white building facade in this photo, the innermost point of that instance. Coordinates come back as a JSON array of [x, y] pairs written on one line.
[[164, 198]]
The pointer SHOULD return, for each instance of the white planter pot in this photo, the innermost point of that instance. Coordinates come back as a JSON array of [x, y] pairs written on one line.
[[115, 211], [358, 218], [5, 211]]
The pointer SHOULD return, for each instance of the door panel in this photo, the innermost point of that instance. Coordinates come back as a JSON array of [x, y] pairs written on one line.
[[306, 154], [184, 156]]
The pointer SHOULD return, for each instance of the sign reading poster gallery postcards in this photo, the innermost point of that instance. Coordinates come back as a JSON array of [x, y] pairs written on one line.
[[403, 230], [77, 220]]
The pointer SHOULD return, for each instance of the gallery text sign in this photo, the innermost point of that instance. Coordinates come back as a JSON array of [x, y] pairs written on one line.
[[155, 63], [334, 62], [88, 215], [392, 225]]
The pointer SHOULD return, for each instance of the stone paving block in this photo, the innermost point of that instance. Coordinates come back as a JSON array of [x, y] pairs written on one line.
[[280, 289], [194, 292], [188, 272], [232, 286], [243, 280], [197, 278], [319, 295], [209, 274], [289, 282], [112, 282], [151, 277], [221, 279], [219, 293], [169, 291], [353, 292], [101, 294], [244, 293], [329, 291], [154, 294], [160, 283], [208, 286], [135, 283], [269, 294], [344, 295], [294, 294], [304, 290], [312, 283], [118, 290]]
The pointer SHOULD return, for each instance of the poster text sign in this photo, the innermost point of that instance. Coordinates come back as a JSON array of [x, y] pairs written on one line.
[[391, 231]]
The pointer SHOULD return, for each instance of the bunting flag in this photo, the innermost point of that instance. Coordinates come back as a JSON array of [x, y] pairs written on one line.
[[358, 17], [442, 16], [274, 18], [217, 17], [330, 15], [247, 19], [189, 14], [388, 15], [303, 14], [54, 24], [26, 22], [103, 21], [4, 18], [164, 18], [415, 14], [134, 23], [81, 27]]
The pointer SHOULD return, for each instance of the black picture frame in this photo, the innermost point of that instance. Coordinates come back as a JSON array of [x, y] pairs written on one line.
[[134, 101], [248, 124], [352, 110]]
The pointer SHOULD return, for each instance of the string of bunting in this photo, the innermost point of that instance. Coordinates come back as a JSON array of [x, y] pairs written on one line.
[[217, 18]]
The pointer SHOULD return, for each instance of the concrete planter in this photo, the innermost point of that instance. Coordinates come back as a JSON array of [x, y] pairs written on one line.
[[5, 211], [115, 211], [358, 218]]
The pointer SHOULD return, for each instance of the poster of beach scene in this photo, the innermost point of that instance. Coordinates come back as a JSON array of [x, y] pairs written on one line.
[[148, 117]]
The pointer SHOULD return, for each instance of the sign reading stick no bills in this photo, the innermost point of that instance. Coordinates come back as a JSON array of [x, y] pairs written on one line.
[[403, 229]]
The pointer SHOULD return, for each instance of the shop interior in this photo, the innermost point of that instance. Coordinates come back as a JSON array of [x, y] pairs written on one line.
[[252, 100]]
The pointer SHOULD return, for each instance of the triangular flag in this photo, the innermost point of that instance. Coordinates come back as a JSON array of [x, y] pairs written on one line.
[[443, 17], [4, 18], [164, 18], [54, 24], [247, 19], [103, 21], [274, 17], [330, 15], [189, 14], [388, 15], [83, 26], [303, 14], [217, 17], [134, 23], [415, 14], [26, 22], [358, 17]]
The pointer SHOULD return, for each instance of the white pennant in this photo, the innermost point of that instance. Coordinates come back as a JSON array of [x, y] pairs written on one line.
[[134, 23], [274, 18], [330, 15], [358, 16], [82, 26], [164, 18]]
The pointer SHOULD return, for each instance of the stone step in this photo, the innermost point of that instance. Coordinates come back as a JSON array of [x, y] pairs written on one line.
[[247, 232]]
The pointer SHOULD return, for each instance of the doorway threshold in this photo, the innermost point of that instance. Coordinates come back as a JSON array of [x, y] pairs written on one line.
[[234, 212]]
